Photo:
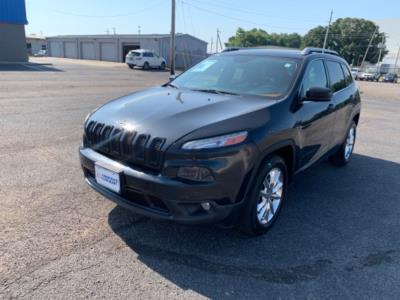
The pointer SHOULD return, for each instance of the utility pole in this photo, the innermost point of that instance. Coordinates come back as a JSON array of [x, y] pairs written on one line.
[[219, 40], [138, 29], [216, 41], [114, 31], [172, 42], [397, 59], [211, 46], [327, 31], [369, 46], [381, 46]]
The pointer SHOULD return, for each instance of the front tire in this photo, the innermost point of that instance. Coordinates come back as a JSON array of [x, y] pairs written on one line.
[[146, 66], [266, 198], [344, 154], [130, 66]]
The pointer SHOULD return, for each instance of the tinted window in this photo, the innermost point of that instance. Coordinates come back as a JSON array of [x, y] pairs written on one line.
[[315, 76], [242, 74], [336, 76], [347, 75], [148, 54]]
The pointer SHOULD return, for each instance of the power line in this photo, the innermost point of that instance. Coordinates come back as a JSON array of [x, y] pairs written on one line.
[[253, 12], [239, 19], [191, 20], [107, 16]]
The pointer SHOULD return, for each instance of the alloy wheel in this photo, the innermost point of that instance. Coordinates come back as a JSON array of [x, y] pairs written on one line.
[[270, 197], [348, 149]]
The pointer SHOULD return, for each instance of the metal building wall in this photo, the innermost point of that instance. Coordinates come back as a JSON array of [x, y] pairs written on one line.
[[189, 50], [13, 12], [13, 43], [12, 30]]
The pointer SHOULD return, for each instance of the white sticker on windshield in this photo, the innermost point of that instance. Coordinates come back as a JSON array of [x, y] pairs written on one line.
[[201, 67]]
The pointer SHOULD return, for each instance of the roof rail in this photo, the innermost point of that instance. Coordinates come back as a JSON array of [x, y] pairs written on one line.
[[310, 50], [230, 49]]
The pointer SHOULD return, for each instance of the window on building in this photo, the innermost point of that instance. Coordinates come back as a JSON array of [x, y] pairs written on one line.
[[29, 45], [44, 47]]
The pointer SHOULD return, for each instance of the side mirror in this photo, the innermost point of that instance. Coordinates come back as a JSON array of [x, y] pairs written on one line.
[[172, 77], [318, 94]]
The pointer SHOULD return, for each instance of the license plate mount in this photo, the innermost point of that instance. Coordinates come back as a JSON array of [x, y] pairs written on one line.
[[108, 176]]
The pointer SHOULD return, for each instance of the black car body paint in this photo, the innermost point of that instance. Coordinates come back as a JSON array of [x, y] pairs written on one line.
[[142, 134]]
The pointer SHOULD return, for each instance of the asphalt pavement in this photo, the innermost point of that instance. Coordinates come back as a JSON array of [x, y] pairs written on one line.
[[337, 236]]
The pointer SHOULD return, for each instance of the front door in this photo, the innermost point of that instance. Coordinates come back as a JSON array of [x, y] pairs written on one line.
[[315, 128]]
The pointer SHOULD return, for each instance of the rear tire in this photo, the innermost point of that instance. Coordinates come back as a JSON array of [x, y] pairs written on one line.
[[146, 66], [130, 66], [344, 154], [266, 197], [162, 67]]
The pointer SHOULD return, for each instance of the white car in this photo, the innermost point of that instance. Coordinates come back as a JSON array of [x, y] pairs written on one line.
[[366, 76], [145, 59], [355, 72], [40, 53]]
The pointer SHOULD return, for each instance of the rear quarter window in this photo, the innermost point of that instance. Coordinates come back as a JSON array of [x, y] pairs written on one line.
[[347, 75]]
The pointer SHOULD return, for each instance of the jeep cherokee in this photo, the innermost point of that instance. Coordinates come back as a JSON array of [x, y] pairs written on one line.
[[223, 140]]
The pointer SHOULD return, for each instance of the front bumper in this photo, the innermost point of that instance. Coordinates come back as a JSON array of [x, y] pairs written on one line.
[[157, 196]]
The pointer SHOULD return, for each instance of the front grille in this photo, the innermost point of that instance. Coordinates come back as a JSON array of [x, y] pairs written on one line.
[[125, 146]]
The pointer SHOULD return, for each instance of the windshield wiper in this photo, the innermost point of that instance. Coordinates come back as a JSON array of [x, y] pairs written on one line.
[[171, 85], [213, 91]]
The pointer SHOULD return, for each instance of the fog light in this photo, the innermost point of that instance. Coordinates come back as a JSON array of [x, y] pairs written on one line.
[[195, 174], [206, 205]]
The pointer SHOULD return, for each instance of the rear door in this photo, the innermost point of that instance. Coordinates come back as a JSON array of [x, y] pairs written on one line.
[[149, 57], [343, 90], [316, 117]]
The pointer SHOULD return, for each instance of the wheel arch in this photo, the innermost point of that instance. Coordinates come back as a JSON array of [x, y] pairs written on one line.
[[356, 118], [286, 150]]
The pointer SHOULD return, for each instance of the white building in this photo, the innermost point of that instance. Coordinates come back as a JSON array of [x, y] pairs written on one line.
[[189, 49], [34, 43]]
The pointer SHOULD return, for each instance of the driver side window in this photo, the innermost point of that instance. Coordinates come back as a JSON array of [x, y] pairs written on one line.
[[315, 76]]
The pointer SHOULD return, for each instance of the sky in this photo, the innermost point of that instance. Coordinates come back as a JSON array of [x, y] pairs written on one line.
[[201, 18]]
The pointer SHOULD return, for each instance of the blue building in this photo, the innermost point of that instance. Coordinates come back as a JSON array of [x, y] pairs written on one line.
[[12, 30]]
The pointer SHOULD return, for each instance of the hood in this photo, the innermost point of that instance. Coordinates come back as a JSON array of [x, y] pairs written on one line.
[[172, 113]]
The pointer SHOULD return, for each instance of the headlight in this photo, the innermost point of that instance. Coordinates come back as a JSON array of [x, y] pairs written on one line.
[[216, 142]]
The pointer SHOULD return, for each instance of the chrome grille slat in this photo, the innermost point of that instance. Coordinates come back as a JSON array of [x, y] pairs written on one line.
[[124, 145]]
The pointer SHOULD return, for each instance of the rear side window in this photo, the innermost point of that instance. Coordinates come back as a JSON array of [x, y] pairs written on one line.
[[336, 75], [347, 75], [315, 76], [148, 54]]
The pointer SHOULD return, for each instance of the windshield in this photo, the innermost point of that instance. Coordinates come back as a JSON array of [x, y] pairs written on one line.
[[241, 74]]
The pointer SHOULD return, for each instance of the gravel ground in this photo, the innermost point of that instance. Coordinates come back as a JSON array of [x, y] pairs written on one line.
[[337, 237]]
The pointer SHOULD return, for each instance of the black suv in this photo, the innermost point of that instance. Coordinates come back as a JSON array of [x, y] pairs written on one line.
[[223, 140]]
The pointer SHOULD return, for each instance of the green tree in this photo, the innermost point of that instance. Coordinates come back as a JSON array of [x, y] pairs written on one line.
[[259, 37], [349, 37]]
